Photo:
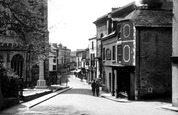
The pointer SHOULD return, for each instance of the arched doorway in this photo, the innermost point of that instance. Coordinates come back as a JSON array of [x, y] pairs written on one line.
[[17, 65]]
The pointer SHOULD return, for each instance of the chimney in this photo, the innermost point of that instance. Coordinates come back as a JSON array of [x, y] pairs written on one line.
[[154, 4], [109, 23]]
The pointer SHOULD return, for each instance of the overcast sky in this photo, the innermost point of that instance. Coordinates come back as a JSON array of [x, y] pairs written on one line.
[[71, 21]]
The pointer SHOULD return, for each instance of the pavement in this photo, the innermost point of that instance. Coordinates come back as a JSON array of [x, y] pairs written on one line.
[[33, 102]]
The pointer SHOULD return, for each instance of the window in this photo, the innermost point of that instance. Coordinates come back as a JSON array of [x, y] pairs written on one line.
[[119, 31], [92, 45], [103, 53], [113, 52], [91, 56], [119, 54], [62, 59], [108, 54], [126, 30], [54, 67], [54, 60], [114, 26]]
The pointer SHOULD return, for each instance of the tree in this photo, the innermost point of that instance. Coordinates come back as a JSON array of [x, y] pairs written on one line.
[[27, 20]]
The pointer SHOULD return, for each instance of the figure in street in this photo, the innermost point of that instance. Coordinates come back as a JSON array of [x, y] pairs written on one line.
[[93, 85], [97, 86]]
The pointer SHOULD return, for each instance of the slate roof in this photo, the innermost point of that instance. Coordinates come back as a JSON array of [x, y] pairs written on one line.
[[150, 18]]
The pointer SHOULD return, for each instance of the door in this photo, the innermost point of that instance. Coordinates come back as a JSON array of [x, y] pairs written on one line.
[[123, 84], [109, 82]]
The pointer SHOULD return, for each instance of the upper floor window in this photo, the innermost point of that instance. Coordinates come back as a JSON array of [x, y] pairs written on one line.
[[119, 31], [103, 53], [114, 25], [54, 67], [92, 47], [126, 30], [113, 52], [119, 54], [108, 54], [54, 60]]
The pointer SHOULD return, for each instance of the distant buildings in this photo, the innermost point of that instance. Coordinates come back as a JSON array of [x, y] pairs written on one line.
[[59, 61]]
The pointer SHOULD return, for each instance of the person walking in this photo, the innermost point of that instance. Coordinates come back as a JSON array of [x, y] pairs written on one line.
[[93, 85], [97, 88]]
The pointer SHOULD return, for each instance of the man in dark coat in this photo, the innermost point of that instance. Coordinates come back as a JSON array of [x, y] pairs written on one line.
[[93, 85], [97, 88]]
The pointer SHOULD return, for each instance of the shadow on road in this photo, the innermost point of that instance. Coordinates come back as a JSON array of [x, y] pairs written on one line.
[[161, 100], [80, 91]]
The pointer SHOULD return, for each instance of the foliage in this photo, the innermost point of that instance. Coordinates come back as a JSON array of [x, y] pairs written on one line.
[[9, 82], [26, 19]]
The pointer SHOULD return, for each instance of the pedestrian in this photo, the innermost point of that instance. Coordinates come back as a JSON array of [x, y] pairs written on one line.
[[97, 86], [93, 85]]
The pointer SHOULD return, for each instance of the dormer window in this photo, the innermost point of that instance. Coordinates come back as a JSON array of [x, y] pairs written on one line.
[[114, 25]]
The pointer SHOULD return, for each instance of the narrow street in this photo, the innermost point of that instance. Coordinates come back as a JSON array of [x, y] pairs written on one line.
[[79, 101]]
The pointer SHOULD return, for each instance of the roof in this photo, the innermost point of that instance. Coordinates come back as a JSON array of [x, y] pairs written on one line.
[[121, 11], [92, 38], [150, 18]]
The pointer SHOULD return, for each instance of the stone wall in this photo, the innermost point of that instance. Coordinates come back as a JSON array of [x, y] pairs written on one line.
[[155, 62]]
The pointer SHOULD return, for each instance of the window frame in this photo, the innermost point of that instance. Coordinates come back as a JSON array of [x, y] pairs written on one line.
[[108, 54]]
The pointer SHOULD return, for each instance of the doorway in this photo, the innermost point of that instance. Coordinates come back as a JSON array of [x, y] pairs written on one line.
[[123, 83], [17, 65]]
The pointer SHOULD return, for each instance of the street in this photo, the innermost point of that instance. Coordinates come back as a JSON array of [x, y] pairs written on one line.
[[79, 101]]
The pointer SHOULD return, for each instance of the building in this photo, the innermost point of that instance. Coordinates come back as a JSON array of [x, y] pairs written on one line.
[[53, 63], [93, 70], [82, 64], [73, 60], [59, 62], [63, 59], [134, 56]]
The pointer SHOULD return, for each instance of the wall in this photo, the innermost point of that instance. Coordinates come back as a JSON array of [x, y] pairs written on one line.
[[107, 71], [175, 53], [155, 63], [101, 29]]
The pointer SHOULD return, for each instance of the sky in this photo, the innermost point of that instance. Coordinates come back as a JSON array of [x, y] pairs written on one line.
[[70, 22]]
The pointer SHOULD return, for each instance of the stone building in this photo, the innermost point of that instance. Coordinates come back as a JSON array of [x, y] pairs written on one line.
[[136, 49], [92, 59], [73, 60], [53, 63]]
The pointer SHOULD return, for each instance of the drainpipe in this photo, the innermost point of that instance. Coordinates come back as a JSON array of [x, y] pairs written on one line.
[[137, 66]]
